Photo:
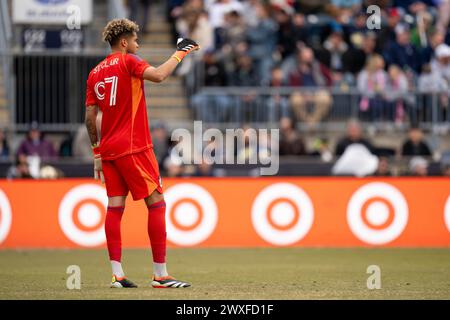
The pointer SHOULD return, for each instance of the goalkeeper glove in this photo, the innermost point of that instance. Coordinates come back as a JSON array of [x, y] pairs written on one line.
[[184, 47], [98, 170]]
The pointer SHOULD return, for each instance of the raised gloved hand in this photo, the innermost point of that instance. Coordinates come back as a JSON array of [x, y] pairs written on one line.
[[184, 47]]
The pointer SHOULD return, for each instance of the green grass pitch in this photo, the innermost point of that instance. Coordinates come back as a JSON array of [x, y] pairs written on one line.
[[274, 274]]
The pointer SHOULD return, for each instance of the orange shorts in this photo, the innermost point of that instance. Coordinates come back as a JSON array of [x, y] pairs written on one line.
[[136, 173]]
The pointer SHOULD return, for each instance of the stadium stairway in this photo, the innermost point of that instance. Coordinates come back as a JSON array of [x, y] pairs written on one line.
[[166, 101]]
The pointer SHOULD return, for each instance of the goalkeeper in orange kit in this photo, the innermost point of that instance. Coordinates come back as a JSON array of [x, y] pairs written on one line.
[[124, 159]]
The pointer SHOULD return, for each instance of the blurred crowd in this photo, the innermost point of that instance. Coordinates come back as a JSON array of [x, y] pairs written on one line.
[[353, 154], [415, 151], [318, 44]]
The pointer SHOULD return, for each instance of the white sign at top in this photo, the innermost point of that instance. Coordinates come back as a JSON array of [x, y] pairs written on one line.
[[57, 12]]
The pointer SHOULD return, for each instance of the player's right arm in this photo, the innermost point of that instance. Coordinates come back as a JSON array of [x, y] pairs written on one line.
[[91, 126], [159, 74], [90, 121]]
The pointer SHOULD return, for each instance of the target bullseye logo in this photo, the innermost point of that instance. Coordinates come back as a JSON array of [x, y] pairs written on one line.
[[377, 213], [192, 214], [446, 213], [282, 214], [82, 215], [5, 216]]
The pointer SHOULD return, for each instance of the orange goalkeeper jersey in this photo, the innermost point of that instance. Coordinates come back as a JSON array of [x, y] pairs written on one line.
[[116, 86]]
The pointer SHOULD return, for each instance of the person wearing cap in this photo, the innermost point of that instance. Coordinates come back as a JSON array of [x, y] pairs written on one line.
[[387, 33], [441, 63], [418, 167]]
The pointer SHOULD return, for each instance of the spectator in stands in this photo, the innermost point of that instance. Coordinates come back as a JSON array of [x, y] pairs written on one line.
[[194, 24], [372, 82], [441, 63], [176, 10], [413, 6], [442, 23], [436, 38], [4, 146], [401, 52], [160, 140], [309, 73], [304, 70], [246, 76], [262, 40], [415, 145], [139, 12], [357, 26], [217, 11], [203, 169], [344, 10], [291, 32], [214, 70], [418, 167], [387, 33], [363, 48], [321, 148], [277, 104], [422, 30], [234, 41], [335, 48], [20, 170], [397, 95], [65, 149], [233, 33], [291, 142], [383, 168], [445, 164], [343, 81], [36, 145], [219, 8], [354, 136], [212, 108], [431, 82], [249, 12], [433, 89]]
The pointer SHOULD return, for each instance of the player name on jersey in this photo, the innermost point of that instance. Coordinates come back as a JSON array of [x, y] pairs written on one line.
[[105, 64]]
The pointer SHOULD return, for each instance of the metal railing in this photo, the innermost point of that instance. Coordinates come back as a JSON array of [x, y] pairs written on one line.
[[51, 88], [318, 108]]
